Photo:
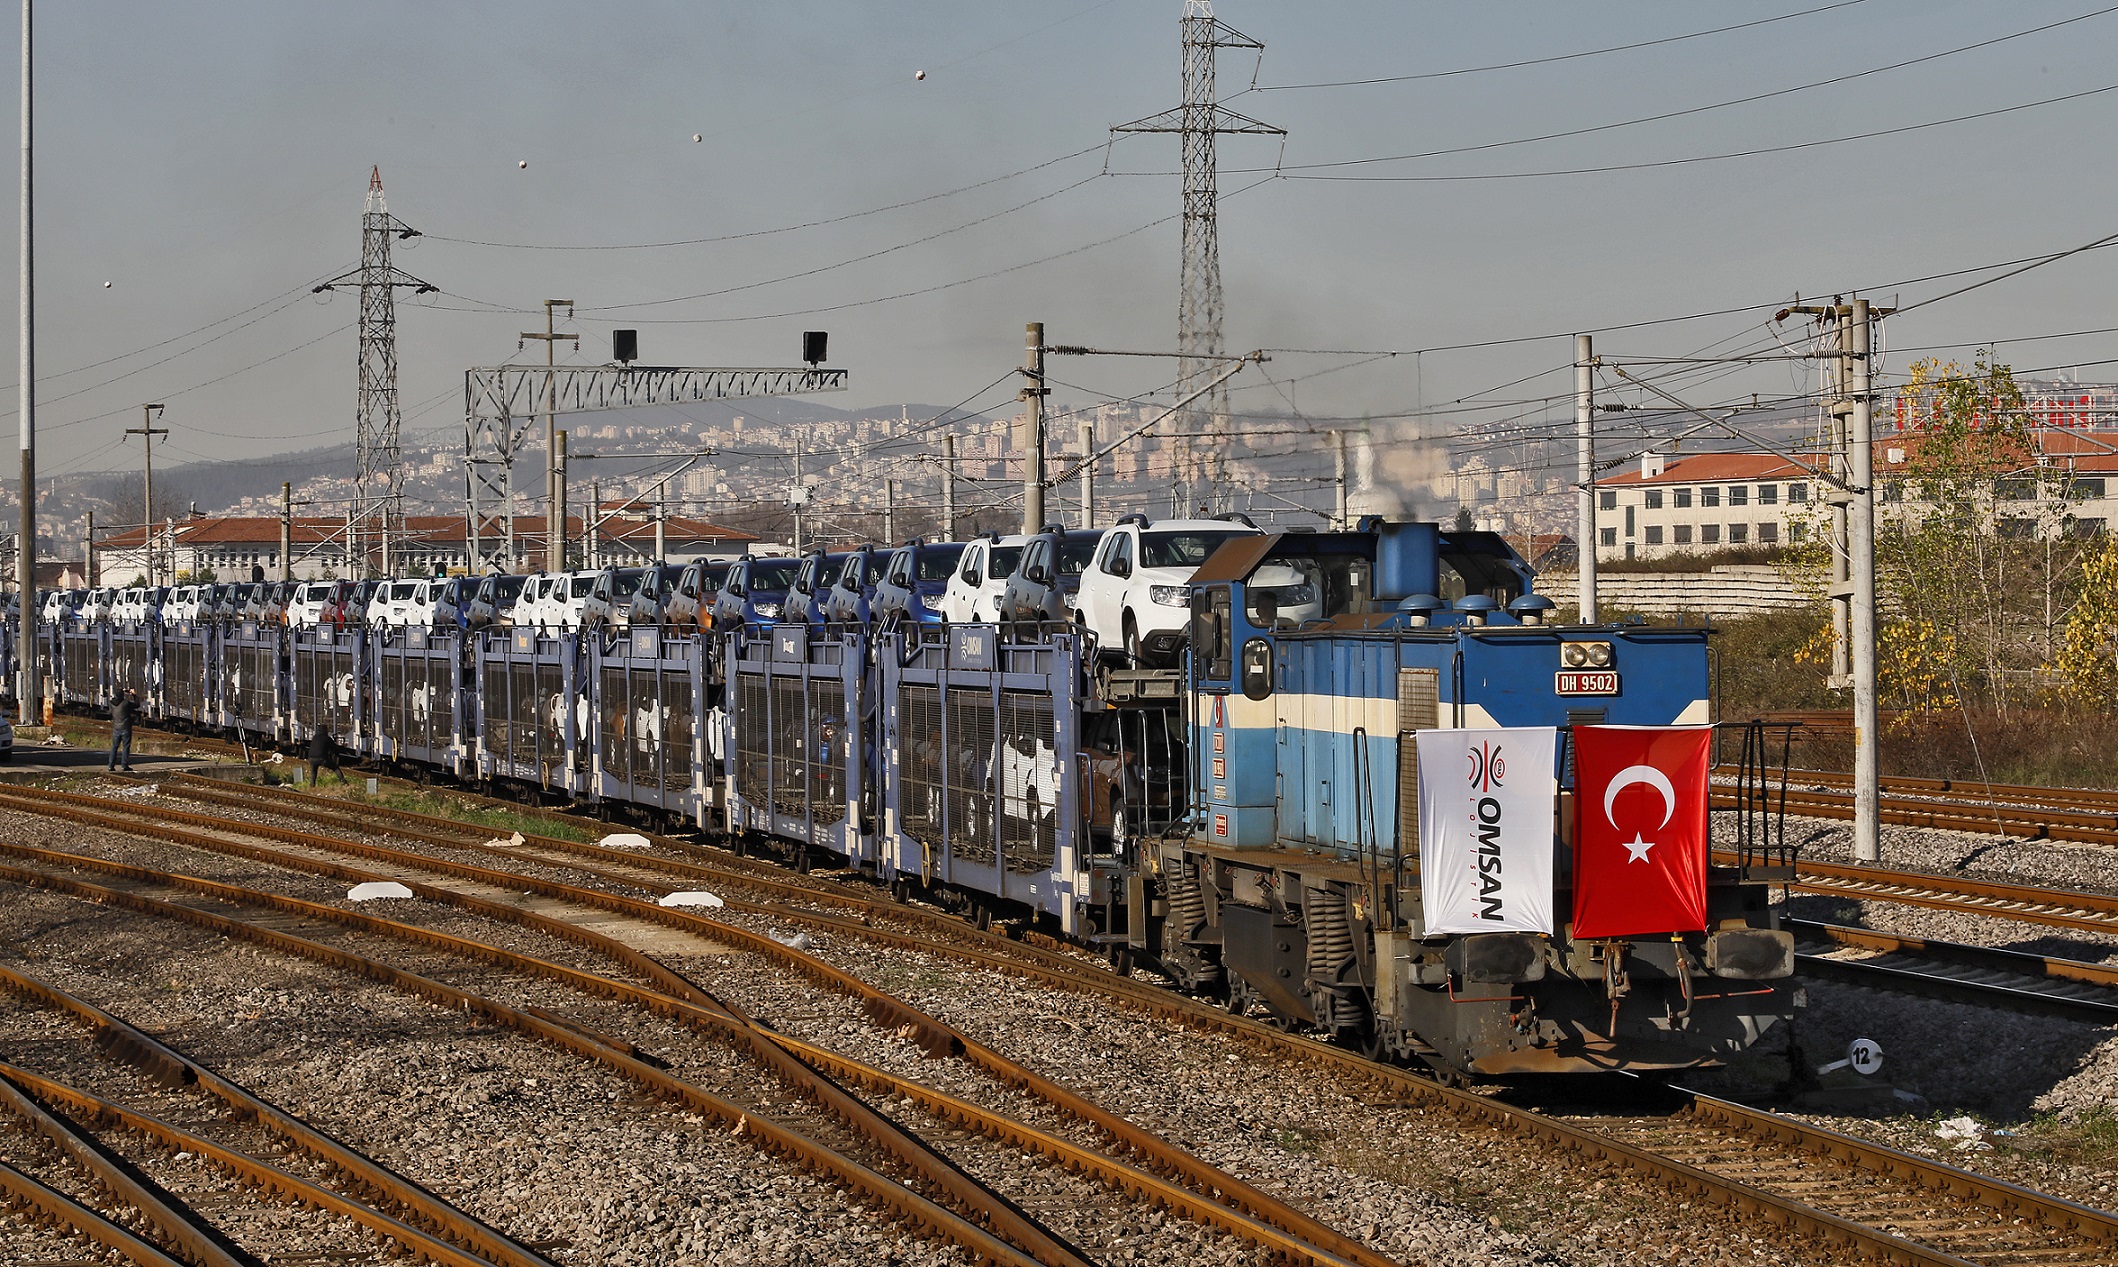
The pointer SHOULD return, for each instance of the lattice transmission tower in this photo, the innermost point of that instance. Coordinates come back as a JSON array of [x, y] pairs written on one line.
[[378, 463], [1198, 122]]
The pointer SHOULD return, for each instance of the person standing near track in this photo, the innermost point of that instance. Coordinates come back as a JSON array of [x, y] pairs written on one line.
[[123, 712], [323, 751]]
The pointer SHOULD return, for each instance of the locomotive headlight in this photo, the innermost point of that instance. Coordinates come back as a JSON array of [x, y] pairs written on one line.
[[1169, 595], [1574, 655], [1599, 655]]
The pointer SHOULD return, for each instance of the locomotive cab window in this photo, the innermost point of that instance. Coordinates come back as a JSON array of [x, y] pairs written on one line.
[[1257, 668], [1211, 612]]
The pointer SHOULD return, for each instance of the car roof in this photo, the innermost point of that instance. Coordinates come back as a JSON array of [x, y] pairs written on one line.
[[1197, 525]]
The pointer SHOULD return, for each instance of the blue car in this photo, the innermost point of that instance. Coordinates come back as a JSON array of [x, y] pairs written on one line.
[[915, 582], [809, 598], [756, 592], [853, 595]]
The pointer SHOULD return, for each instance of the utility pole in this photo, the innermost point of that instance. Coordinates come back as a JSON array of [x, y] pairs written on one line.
[[948, 487], [1860, 540], [28, 699], [1032, 397], [286, 532], [889, 512], [588, 524], [1338, 479], [88, 552], [798, 496], [148, 430], [554, 494], [1841, 386], [555, 559], [661, 525], [1088, 472], [1585, 470]]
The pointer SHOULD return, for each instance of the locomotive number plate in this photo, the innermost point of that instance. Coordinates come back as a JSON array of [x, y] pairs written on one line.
[[1591, 682]]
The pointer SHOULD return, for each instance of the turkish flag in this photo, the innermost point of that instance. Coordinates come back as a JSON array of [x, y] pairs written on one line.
[[1640, 833]]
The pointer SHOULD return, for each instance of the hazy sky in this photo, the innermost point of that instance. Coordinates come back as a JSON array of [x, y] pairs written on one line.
[[208, 160]]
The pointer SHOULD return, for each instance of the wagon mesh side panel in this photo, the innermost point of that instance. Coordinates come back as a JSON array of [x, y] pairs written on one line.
[[1029, 791], [753, 740], [791, 751], [679, 724], [969, 752], [547, 712], [617, 724], [922, 787], [827, 700], [181, 679]]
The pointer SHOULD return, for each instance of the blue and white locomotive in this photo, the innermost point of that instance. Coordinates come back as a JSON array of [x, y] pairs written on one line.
[[1246, 825]]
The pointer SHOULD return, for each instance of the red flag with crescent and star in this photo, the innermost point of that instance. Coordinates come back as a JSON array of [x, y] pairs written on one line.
[[1640, 833]]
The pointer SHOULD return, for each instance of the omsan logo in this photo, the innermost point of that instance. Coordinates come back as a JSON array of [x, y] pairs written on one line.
[[1487, 768], [1487, 771]]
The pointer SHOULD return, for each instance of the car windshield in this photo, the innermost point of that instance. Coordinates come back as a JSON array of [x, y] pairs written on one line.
[[827, 572], [936, 562], [1074, 554], [511, 587], [316, 593], [626, 583], [1180, 549], [773, 574], [1004, 559], [401, 591], [582, 587]]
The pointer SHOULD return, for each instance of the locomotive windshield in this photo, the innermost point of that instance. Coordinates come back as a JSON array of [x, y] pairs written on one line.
[[1290, 589]]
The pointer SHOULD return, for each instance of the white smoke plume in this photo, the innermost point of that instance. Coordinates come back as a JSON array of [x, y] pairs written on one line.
[[1402, 470]]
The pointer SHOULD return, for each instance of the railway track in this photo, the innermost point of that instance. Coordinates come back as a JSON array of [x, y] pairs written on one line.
[[2052, 908], [683, 1001], [1844, 1191], [2083, 816], [2038, 984]]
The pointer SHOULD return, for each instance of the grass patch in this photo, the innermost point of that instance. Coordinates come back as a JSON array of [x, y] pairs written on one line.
[[442, 805], [2090, 1140]]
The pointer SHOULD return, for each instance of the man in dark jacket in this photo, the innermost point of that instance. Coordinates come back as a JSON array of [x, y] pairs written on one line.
[[123, 712], [323, 751]]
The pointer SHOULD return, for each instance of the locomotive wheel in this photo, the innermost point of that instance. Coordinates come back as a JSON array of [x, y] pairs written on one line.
[[1240, 996]]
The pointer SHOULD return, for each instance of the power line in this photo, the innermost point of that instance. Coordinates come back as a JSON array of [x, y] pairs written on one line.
[[1718, 105], [762, 233], [1561, 57], [1702, 158]]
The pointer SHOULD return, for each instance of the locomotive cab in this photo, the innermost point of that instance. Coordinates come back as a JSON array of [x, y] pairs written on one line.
[[1317, 659]]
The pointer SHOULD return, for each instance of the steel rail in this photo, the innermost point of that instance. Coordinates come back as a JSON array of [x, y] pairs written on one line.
[[127, 1043], [767, 1135], [1916, 1172], [59, 1210], [2092, 828], [2054, 908], [2031, 984], [1157, 1153], [242, 1165], [1967, 791], [705, 1013], [188, 1234]]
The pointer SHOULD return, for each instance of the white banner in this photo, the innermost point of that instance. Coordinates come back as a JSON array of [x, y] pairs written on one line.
[[1486, 805]]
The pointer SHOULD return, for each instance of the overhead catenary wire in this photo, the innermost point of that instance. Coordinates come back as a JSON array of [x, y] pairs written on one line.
[[1559, 57]]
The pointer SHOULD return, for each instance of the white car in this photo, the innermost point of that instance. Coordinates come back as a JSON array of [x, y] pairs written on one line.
[[96, 607], [401, 603], [307, 606], [130, 606], [981, 574], [1136, 593], [560, 602], [529, 609], [182, 604]]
